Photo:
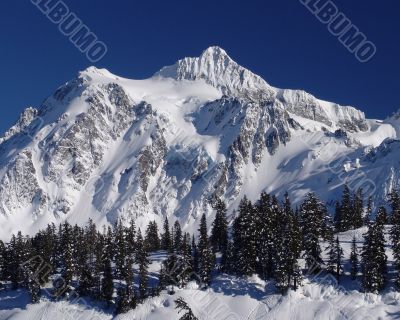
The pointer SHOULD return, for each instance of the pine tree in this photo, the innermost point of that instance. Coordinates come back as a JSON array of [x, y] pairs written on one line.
[[288, 248], [346, 210], [120, 251], [395, 239], [227, 259], [311, 212], [182, 306], [206, 258], [219, 231], [17, 256], [143, 261], [354, 259], [395, 207], [126, 294], [166, 241], [67, 260], [245, 240], [178, 237], [130, 235], [382, 216], [374, 257], [338, 217], [107, 284], [195, 255], [152, 239], [3, 264], [335, 258], [367, 218], [266, 231]]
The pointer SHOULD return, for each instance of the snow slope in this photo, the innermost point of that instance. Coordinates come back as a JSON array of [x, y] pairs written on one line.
[[319, 298]]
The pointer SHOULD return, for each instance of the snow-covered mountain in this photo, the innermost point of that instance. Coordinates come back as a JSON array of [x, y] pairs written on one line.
[[106, 147]]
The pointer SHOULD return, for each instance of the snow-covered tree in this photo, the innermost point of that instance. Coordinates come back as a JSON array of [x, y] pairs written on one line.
[[182, 306], [354, 263]]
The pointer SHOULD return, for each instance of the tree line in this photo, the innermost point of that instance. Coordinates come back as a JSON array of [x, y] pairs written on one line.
[[267, 237]]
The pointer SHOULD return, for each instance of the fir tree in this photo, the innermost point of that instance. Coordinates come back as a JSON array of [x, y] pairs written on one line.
[[245, 240], [382, 216], [395, 239], [120, 251], [354, 259], [374, 257], [335, 258], [152, 240], [107, 284], [367, 218], [166, 241], [311, 212], [395, 207], [130, 237], [219, 231], [338, 217], [142, 260], [346, 206], [266, 234], [3, 264], [206, 258], [182, 306], [178, 237], [195, 255]]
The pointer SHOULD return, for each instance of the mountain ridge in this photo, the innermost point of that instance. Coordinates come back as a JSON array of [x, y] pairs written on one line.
[[105, 147]]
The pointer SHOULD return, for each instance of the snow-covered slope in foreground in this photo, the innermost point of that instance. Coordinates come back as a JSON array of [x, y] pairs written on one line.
[[231, 298], [104, 147]]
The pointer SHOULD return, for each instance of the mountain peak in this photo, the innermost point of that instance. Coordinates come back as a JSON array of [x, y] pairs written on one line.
[[215, 52], [215, 67]]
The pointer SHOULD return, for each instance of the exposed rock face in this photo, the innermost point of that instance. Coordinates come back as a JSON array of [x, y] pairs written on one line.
[[105, 147]]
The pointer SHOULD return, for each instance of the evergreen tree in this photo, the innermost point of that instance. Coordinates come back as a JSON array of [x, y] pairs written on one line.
[[382, 216], [395, 207], [227, 259], [142, 260], [107, 284], [354, 259], [346, 206], [126, 294], [195, 255], [288, 245], [245, 240], [367, 218], [338, 217], [219, 231], [266, 233], [182, 306], [166, 241], [311, 212], [395, 239], [178, 237], [152, 240], [130, 237], [120, 251], [335, 258], [3, 263], [206, 258], [374, 257]]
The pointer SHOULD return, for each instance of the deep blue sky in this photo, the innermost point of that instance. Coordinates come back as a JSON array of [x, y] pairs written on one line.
[[279, 39]]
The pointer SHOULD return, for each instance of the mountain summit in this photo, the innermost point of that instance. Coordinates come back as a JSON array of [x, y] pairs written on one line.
[[218, 69], [105, 147]]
